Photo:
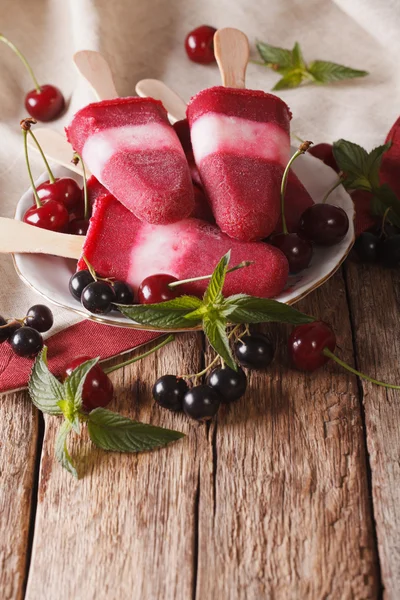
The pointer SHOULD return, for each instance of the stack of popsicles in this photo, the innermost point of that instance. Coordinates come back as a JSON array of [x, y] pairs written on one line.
[[141, 223]]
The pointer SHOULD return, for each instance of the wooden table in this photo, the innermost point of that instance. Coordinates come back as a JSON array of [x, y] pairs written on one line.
[[291, 493]]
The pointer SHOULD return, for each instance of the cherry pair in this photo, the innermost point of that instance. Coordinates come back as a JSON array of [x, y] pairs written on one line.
[[59, 202], [24, 335]]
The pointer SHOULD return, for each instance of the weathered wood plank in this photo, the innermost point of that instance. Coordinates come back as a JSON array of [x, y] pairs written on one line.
[[18, 442], [127, 528], [375, 305], [286, 514]]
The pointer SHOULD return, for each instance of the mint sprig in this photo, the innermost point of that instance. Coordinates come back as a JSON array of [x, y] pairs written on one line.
[[214, 312], [360, 171], [294, 69], [107, 430]]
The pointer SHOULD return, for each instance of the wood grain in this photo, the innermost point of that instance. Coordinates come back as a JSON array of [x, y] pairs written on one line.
[[374, 296], [127, 528], [285, 512], [18, 441]]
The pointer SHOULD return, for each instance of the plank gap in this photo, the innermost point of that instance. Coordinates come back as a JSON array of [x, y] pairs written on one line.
[[34, 499], [214, 463], [364, 432], [196, 536]]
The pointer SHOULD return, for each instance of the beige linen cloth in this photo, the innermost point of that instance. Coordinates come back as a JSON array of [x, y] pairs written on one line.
[[144, 38]]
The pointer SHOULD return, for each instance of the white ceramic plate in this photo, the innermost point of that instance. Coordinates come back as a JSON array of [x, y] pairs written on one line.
[[49, 275]]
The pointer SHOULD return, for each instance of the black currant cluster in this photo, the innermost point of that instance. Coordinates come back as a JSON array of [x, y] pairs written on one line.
[[98, 296], [378, 246], [223, 384], [24, 335]]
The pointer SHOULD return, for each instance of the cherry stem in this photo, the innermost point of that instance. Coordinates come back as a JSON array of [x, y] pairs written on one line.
[[165, 341], [174, 284], [385, 216], [302, 150], [23, 59], [37, 199], [328, 193], [85, 194], [11, 322], [213, 362], [90, 268], [49, 171], [333, 356]]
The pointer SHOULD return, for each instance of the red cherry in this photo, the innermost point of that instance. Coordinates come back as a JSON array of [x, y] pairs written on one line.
[[97, 389], [325, 153], [324, 224], [307, 342], [199, 45], [64, 189], [78, 226], [155, 289], [51, 215], [298, 251], [46, 104]]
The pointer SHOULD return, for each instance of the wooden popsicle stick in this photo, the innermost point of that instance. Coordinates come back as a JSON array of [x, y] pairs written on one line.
[[96, 70], [153, 88], [16, 236], [56, 148], [231, 49]]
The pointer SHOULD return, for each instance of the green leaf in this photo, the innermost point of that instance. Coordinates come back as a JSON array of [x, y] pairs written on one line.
[[250, 309], [329, 72], [165, 315], [297, 57], [61, 450], [213, 293], [374, 163], [215, 330], [73, 386], [384, 198], [291, 80], [357, 182], [111, 431], [351, 158], [44, 389], [273, 55]]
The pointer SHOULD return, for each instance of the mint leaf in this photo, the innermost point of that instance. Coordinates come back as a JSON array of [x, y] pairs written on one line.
[[111, 431], [61, 450], [329, 72], [250, 309], [297, 57], [351, 158], [292, 80], [384, 198], [273, 55], [215, 330], [213, 293], [44, 389], [165, 315], [374, 163], [74, 383]]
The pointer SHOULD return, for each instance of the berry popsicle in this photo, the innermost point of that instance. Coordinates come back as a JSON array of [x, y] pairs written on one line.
[[241, 145], [131, 148], [185, 249]]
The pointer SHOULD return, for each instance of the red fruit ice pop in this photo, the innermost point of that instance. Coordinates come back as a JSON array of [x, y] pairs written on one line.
[[120, 245], [131, 148]]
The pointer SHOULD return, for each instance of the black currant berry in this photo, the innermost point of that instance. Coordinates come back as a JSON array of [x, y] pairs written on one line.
[[201, 403], [254, 351], [168, 392], [123, 292], [78, 282], [365, 247], [7, 328], [26, 342], [39, 317], [389, 251], [229, 384], [97, 297]]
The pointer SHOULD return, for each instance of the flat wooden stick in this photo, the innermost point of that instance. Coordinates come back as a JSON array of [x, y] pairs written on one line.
[[56, 148], [153, 88], [96, 70], [231, 49], [16, 236]]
